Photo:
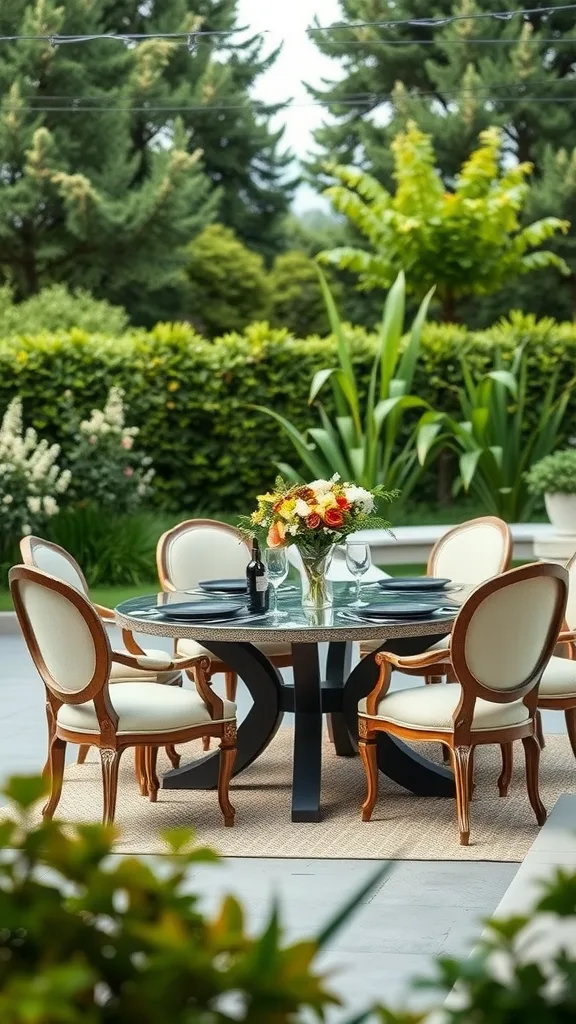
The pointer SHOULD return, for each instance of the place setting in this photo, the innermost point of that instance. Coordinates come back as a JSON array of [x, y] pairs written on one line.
[[402, 598]]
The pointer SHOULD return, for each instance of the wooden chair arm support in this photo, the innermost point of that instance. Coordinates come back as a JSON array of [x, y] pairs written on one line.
[[567, 636], [428, 658], [105, 613], [158, 664]]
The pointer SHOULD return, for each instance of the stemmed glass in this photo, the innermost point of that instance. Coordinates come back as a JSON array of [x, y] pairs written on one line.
[[277, 565], [358, 561]]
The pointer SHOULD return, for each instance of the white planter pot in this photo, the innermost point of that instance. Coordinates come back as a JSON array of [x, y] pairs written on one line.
[[561, 509]]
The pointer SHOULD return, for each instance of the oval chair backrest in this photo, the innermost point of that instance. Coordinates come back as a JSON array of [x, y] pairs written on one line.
[[472, 552], [64, 635], [200, 549], [506, 631], [571, 603], [54, 560]]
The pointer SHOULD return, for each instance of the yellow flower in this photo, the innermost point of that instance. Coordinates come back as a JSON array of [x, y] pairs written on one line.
[[327, 501], [287, 508], [257, 517], [173, 385], [268, 497]]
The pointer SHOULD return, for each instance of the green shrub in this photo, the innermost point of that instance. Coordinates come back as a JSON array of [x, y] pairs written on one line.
[[88, 938], [297, 301], [226, 283], [191, 398], [555, 474], [58, 309]]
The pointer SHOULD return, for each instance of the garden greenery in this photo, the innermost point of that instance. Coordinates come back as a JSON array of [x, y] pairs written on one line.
[[88, 938], [554, 474], [367, 439], [194, 400]]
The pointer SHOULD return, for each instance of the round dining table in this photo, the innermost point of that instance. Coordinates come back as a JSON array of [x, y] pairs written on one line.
[[311, 696]]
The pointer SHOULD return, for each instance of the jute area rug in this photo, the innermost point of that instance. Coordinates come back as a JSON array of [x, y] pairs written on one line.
[[403, 827]]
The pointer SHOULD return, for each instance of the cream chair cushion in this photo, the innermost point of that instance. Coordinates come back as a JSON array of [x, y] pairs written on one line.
[[192, 649], [559, 678], [144, 708], [432, 707], [123, 674], [440, 645]]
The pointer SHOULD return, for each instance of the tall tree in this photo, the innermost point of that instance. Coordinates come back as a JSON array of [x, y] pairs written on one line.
[[242, 153], [77, 203], [454, 80]]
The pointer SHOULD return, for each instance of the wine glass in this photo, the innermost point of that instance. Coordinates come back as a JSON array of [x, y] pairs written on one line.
[[277, 565], [358, 561]]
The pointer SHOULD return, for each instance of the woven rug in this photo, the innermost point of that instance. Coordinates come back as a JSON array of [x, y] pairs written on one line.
[[403, 827]]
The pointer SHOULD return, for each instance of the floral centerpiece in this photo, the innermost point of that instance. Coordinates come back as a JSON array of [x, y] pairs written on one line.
[[315, 517]]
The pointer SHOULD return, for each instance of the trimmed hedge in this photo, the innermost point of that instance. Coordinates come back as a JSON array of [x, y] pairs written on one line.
[[191, 398]]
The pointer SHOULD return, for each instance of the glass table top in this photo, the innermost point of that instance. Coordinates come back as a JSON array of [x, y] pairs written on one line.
[[155, 608]]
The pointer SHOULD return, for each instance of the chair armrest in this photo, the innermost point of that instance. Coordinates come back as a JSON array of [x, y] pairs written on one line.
[[428, 658], [567, 636], [157, 663], [105, 613]]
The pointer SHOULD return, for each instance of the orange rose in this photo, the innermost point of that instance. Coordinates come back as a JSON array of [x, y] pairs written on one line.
[[342, 503], [276, 535], [333, 517], [313, 521]]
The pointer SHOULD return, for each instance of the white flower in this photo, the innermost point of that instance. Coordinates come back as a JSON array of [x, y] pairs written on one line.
[[293, 530], [34, 504], [301, 508], [63, 482], [361, 497], [7, 499], [320, 486], [50, 505], [26, 529]]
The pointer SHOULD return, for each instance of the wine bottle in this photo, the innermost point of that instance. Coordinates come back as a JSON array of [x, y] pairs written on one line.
[[257, 579]]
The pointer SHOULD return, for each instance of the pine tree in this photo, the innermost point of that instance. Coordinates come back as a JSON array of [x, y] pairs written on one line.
[[241, 154], [77, 204], [447, 79]]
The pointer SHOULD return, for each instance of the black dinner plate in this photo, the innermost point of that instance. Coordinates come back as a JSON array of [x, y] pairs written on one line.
[[398, 610], [224, 586], [414, 583], [199, 610]]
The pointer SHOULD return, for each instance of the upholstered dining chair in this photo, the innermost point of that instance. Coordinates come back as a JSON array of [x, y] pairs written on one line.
[[469, 553], [204, 549], [557, 690], [56, 561], [502, 640], [70, 647]]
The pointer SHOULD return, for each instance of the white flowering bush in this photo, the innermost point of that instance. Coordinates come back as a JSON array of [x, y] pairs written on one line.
[[31, 481], [107, 469]]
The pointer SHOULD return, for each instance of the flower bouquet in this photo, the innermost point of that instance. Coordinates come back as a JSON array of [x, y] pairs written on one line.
[[315, 517]]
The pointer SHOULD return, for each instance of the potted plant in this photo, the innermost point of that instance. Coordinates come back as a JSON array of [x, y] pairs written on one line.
[[555, 478]]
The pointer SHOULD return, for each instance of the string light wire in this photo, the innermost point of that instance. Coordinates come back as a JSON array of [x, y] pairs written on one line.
[[446, 20]]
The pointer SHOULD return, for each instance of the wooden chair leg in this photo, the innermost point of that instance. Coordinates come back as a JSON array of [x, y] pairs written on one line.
[[151, 757], [110, 761], [507, 751], [431, 679], [367, 748], [471, 772], [540, 730], [51, 722], [461, 765], [140, 768], [532, 754], [231, 685], [82, 753], [205, 743], [570, 716], [445, 754], [227, 758], [56, 769], [174, 756]]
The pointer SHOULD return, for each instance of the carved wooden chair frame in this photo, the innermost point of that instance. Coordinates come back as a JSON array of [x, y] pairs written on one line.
[[111, 745], [230, 676], [463, 739], [444, 668], [27, 548]]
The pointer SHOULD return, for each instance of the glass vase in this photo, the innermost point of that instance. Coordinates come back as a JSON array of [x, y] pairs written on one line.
[[316, 587]]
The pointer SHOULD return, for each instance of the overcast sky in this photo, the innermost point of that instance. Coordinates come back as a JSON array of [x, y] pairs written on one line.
[[299, 59]]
